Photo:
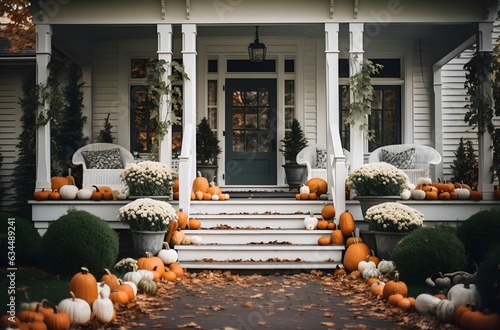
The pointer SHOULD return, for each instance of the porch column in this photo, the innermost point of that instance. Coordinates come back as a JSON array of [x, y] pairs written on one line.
[[43, 55], [438, 117], [333, 142], [485, 157], [355, 59], [189, 60], [165, 53]]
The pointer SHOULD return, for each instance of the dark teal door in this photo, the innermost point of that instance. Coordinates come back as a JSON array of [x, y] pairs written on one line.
[[250, 135]]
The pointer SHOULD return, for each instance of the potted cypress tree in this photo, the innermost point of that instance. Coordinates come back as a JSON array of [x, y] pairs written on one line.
[[207, 150], [293, 143]]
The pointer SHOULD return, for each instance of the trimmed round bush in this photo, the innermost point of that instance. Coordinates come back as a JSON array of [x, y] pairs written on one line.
[[479, 234], [488, 278], [79, 239], [27, 241], [428, 251]]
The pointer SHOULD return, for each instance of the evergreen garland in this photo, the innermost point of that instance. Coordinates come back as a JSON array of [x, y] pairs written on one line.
[[465, 166]]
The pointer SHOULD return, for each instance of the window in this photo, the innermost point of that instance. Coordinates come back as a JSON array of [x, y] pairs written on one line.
[[212, 103], [289, 102], [385, 119], [142, 126]]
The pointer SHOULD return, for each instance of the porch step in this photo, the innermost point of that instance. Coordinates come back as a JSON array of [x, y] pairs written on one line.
[[257, 233]]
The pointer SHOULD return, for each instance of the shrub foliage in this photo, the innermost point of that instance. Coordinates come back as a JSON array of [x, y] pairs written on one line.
[[479, 234], [428, 251], [488, 278], [27, 240], [79, 239]]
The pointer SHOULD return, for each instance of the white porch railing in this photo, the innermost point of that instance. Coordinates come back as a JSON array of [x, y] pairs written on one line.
[[187, 168], [336, 169]]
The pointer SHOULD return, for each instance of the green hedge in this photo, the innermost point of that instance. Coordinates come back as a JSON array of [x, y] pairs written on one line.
[[27, 241]]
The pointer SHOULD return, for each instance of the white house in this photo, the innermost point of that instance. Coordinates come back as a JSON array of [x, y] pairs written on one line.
[[309, 44]]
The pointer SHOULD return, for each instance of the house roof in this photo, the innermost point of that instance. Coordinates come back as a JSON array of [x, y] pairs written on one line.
[[21, 53]]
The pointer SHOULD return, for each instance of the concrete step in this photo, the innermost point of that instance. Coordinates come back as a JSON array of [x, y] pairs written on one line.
[[259, 252], [253, 220], [258, 265], [247, 236]]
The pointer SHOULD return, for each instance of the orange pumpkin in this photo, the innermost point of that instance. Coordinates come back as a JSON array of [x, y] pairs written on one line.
[[200, 183], [476, 195], [331, 225], [119, 297], [317, 185], [169, 275], [175, 185], [194, 224], [55, 195], [110, 279], [354, 254], [199, 195], [182, 218], [84, 286], [107, 192], [324, 240], [346, 223], [150, 262], [56, 182], [372, 257], [336, 237], [395, 286], [328, 211], [41, 195], [97, 194], [322, 224]]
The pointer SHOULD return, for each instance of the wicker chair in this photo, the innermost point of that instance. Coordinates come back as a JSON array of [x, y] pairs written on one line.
[[100, 176], [423, 157], [309, 155]]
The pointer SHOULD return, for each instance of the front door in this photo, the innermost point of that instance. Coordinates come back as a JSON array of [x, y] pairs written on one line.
[[250, 135]]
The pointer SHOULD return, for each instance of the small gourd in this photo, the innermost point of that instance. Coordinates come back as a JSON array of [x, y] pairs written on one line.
[[304, 190], [371, 272], [365, 264], [196, 240], [445, 310], [418, 194]]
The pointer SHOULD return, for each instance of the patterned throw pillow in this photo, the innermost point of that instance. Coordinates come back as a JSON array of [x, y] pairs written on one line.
[[320, 158], [103, 159], [404, 160]]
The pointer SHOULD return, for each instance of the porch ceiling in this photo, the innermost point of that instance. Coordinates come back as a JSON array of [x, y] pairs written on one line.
[[77, 40]]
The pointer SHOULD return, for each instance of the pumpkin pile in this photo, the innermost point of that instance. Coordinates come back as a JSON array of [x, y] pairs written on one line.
[[89, 298], [207, 191], [426, 189], [314, 188]]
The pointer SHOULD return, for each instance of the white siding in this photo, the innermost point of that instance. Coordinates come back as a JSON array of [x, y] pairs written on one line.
[[310, 91], [11, 81], [422, 95], [105, 90], [454, 101]]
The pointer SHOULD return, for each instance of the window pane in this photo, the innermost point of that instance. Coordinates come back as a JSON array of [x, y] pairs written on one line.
[[264, 141], [249, 66], [138, 68], [289, 92], [289, 66], [212, 66], [251, 98], [251, 141], [289, 115], [238, 140], [238, 121], [263, 117], [143, 126], [212, 92], [238, 99], [212, 118]]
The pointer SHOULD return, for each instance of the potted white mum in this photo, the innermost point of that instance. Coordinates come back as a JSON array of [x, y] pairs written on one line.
[[149, 179]]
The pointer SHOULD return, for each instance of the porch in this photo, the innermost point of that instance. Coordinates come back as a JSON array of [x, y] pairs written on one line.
[[257, 233]]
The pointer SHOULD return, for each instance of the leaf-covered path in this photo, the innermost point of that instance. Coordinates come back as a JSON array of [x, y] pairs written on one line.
[[221, 300]]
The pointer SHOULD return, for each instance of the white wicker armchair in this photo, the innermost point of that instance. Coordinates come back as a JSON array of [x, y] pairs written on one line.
[[102, 176], [309, 156], [419, 164]]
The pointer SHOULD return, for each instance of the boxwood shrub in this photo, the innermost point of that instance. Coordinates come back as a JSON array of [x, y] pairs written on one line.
[[488, 279], [27, 240], [428, 251], [479, 234], [79, 239]]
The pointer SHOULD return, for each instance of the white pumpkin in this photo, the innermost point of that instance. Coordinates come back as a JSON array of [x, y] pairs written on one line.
[[134, 277], [68, 191], [405, 194], [426, 303], [196, 240], [104, 288], [77, 309], [310, 221], [418, 194], [167, 255], [304, 189], [462, 193], [423, 181], [146, 274], [386, 266], [445, 310], [365, 264], [464, 293], [103, 309], [370, 272], [84, 194]]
